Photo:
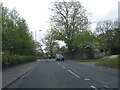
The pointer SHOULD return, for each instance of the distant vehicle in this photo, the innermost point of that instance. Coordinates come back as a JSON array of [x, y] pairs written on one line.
[[59, 57]]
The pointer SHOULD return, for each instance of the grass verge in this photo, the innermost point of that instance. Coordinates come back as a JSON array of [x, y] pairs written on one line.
[[85, 60], [113, 63]]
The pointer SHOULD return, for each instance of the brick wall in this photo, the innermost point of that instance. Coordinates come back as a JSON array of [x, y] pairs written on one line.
[[78, 55]]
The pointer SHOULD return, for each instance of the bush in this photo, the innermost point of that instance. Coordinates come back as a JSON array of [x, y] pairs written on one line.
[[9, 60], [4, 61]]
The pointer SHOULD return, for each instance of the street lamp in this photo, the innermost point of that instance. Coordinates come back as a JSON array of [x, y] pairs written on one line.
[[35, 34]]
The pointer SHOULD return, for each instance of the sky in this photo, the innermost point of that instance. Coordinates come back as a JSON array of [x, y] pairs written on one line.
[[37, 12]]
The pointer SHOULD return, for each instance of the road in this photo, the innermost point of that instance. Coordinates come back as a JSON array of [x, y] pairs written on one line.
[[67, 74]]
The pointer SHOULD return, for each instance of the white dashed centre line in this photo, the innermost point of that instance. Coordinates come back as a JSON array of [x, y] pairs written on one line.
[[73, 73], [86, 79], [106, 86], [63, 66], [94, 87]]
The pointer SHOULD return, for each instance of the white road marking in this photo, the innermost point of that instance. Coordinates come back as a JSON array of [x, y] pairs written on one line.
[[73, 73], [106, 86], [94, 87], [63, 66], [86, 79], [80, 73]]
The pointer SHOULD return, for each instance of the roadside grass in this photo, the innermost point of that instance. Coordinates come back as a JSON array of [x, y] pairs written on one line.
[[113, 63], [85, 60]]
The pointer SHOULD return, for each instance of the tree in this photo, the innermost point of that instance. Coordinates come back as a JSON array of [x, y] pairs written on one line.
[[113, 41], [109, 33], [0, 28], [68, 21], [63, 49], [40, 51], [16, 38], [51, 44], [86, 39]]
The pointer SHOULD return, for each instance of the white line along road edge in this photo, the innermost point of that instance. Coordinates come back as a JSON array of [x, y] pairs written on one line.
[[73, 73]]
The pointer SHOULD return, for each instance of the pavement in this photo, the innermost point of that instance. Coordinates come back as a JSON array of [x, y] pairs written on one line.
[[9, 75], [66, 74], [109, 57]]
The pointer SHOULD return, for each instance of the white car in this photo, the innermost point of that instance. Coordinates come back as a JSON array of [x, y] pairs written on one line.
[[59, 57]]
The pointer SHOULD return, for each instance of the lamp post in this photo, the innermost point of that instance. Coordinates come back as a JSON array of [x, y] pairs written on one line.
[[36, 40], [35, 34]]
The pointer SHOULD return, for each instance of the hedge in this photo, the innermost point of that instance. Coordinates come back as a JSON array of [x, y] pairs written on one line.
[[9, 60]]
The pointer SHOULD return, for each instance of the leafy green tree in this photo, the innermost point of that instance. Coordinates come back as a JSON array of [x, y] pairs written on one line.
[[109, 33], [0, 28], [7, 35], [40, 51], [51, 45], [68, 21], [16, 38], [63, 49], [113, 42], [85, 39]]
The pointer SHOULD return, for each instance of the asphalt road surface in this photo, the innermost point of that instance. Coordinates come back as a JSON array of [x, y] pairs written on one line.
[[67, 74]]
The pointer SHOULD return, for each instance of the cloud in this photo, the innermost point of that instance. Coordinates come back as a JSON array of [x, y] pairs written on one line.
[[37, 14], [102, 9], [111, 15]]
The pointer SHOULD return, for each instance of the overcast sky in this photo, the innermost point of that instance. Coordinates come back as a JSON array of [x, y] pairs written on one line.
[[37, 12]]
